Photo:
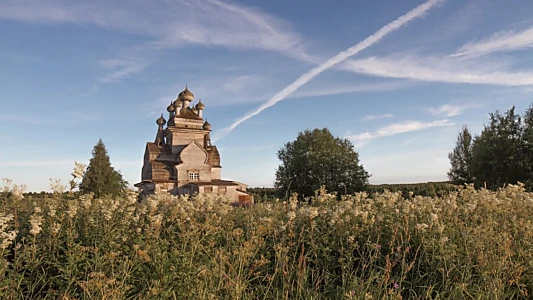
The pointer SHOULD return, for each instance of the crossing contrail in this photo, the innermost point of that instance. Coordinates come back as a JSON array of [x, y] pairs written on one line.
[[308, 76]]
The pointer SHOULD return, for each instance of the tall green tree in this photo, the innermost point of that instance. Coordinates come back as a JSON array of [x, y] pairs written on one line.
[[100, 177], [317, 158], [527, 144], [460, 158], [497, 157]]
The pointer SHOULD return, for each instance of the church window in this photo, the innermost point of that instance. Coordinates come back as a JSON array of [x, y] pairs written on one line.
[[194, 176]]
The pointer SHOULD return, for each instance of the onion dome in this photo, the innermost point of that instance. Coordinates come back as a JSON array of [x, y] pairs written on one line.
[[161, 121], [194, 110], [206, 125], [200, 105], [177, 104], [170, 108], [186, 95]]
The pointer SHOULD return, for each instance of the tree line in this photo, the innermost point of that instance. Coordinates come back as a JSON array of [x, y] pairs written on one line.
[[501, 154]]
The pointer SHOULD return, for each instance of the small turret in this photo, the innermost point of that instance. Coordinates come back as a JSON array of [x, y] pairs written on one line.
[[186, 96], [200, 107], [206, 125], [177, 106], [160, 138], [170, 110]]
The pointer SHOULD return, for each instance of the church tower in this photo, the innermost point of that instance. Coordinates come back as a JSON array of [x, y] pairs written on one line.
[[182, 159]]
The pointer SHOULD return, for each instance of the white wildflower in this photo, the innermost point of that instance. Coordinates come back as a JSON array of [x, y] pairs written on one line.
[[434, 217], [55, 228], [79, 170], [313, 212], [72, 209], [291, 215], [422, 227], [6, 236], [18, 192], [7, 184], [36, 221], [156, 221], [56, 186]]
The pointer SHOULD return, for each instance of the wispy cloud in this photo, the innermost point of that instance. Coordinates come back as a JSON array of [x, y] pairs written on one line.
[[167, 24], [396, 128], [118, 69], [440, 69], [503, 41], [246, 149], [338, 89], [36, 163], [374, 117], [448, 110], [308, 76], [238, 83]]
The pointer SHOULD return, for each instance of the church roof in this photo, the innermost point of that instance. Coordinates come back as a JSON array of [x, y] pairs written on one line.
[[187, 114], [219, 182], [154, 148]]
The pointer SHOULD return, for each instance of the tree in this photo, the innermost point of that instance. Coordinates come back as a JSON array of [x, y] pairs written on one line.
[[317, 158], [527, 144], [497, 157], [100, 177], [460, 158]]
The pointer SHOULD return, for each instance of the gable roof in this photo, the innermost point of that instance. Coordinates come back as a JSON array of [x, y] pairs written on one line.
[[188, 114], [192, 144], [218, 182]]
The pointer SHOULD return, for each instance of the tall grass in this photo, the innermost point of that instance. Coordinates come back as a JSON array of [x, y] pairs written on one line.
[[471, 244]]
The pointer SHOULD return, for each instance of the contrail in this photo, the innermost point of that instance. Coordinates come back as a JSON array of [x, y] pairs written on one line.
[[306, 77]]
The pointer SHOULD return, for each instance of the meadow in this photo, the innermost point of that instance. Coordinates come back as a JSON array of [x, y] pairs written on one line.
[[468, 244]]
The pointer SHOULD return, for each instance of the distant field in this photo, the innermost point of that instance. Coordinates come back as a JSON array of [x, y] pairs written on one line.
[[472, 244]]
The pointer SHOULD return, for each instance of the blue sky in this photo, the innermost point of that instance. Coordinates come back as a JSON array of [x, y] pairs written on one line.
[[77, 71]]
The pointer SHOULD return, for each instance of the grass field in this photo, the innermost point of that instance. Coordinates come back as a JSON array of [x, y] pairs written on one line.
[[469, 244]]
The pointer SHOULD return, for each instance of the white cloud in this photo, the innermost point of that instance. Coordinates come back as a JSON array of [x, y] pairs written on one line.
[[373, 117], [440, 69], [503, 41], [167, 24], [396, 128], [374, 38], [118, 69], [238, 83], [338, 89], [447, 110], [37, 163]]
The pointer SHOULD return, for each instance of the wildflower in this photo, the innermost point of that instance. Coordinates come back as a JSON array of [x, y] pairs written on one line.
[[55, 228], [313, 212], [156, 221], [79, 170], [422, 227], [18, 192], [7, 184], [396, 285], [434, 217], [6, 237], [36, 221], [237, 232], [72, 209], [56, 186], [291, 215]]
